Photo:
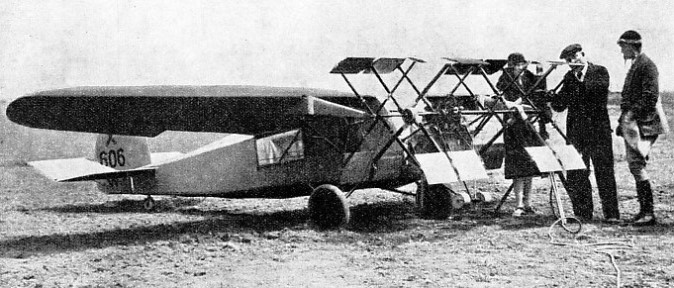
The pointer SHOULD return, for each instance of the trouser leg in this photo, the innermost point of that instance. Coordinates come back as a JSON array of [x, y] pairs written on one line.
[[580, 193], [605, 175]]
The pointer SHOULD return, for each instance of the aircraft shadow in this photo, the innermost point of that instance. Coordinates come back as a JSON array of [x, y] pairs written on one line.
[[381, 217], [219, 224], [384, 219], [125, 206]]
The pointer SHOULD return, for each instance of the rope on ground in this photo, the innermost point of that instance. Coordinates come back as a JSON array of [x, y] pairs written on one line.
[[615, 267], [600, 247]]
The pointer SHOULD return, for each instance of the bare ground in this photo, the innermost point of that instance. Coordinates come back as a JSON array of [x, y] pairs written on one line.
[[70, 235]]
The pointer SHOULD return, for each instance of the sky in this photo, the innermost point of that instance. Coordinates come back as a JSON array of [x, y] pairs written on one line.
[[59, 43]]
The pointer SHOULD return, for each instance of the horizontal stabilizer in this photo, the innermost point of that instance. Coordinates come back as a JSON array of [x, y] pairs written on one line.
[[82, 169], [142, 171], [62, 169]]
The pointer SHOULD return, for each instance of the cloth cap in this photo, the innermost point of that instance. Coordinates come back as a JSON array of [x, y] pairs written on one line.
[[630, 37], [516, 58], [570, 51]]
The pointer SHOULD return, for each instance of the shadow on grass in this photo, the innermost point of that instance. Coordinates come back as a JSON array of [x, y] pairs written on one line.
[[125, 206], [381, 223], [379, 218], [219, 223]]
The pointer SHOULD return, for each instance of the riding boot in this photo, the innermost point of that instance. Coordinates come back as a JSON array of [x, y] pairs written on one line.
[[645, 194], [648, 197], [640, 198]]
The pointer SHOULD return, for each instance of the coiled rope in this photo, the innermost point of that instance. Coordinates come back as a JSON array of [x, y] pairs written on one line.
[[600, 247]]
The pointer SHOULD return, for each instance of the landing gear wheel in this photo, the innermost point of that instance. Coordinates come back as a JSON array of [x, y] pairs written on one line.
[[484, 197], [459, 200], [148, 203], [328, 208], [433, 201]]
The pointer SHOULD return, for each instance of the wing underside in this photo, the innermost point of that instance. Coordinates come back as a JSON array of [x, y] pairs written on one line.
[[150, 110]]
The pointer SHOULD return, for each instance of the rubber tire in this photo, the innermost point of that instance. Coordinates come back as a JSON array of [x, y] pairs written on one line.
[[459, 200], [328, 208], [148, 204], [484, 197], [433, 201]]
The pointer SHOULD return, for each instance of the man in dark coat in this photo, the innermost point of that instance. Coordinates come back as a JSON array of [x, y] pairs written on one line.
[[640, 123], [585, 94]]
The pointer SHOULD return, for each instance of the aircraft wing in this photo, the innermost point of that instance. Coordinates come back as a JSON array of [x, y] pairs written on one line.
[[462, 65], [150, 110]]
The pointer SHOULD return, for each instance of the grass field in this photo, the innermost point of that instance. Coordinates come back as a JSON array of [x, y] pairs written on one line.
[[70, 235]]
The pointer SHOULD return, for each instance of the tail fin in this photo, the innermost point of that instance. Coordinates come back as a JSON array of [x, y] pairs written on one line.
[[121, 153]]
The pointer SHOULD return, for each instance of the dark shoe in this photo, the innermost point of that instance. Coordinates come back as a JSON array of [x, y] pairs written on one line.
[[646, 220], [528, 210], [638, 217]]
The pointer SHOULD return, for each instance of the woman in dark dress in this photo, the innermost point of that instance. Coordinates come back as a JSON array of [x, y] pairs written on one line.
[[519, 133]]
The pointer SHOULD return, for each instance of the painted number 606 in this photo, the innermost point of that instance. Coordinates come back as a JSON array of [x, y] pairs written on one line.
[[112, 158]]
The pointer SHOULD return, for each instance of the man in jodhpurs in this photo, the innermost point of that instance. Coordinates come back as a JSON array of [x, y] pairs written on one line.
[[640, 123]]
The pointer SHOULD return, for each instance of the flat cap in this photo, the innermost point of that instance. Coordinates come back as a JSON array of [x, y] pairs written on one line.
[[516, 58], [630, 37], [570, 51]]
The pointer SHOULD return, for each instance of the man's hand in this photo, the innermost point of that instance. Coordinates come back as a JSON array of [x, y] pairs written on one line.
[[549, 96], [626, 116], [517, 106], [512, 104]]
